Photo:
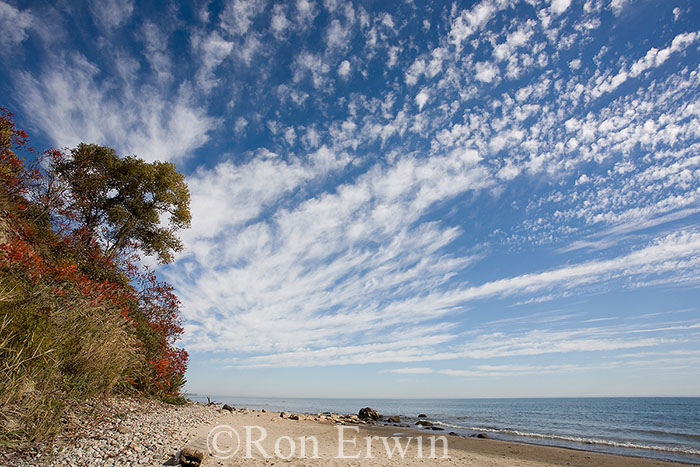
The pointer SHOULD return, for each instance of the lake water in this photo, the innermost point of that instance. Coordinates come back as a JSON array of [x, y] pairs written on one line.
[[662, 428]]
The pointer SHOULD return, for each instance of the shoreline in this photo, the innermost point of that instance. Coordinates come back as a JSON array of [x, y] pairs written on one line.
[[462, 450], [666, 444], [142, 432]]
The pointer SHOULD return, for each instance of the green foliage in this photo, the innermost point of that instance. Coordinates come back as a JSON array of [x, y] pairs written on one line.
[[121, 201]]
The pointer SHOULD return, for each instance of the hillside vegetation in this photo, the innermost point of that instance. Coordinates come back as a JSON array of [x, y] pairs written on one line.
[[79, 319]]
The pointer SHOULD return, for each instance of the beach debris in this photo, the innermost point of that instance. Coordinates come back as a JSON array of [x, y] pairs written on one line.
[[424, 423], [194, 453], [394, 419], [422, 415], [228, 407], [369, 413]]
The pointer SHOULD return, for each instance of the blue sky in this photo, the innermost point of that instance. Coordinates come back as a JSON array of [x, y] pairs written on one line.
[[402, 199]]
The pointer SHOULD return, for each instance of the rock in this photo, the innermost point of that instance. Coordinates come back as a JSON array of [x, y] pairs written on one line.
[[482, 436], [263, 411], [422, 415], [452, 433], [228, 407], [424, 423], [394, 419], [294, 417], [122, 429], [369, 413], [194, 453], [437, 428], [284, 415]]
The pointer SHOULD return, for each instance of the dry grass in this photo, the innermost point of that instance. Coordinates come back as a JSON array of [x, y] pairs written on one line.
[[53, 349]]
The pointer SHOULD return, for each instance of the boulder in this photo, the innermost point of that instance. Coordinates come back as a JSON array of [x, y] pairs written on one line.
[[394, 419], [422, 415], [482, 436], [369, 413], [424, 423]]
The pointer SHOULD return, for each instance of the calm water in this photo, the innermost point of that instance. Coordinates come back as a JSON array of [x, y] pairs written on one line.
[[663, 428]]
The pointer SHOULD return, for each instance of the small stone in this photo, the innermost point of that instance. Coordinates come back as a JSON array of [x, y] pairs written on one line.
[[294, 417], [394, 419]]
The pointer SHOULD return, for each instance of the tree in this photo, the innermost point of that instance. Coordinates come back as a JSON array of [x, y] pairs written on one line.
[[123, 203]]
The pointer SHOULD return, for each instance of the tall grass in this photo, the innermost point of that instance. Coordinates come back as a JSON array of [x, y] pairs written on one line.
[[53, 349]]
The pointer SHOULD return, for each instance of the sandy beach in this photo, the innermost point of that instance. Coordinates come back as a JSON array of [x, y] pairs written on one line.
[[283, 433]]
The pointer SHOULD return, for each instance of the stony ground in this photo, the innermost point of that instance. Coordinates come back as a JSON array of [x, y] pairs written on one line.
[[120, 432]]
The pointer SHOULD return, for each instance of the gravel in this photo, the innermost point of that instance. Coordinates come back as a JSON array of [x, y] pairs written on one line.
[[121, 432]]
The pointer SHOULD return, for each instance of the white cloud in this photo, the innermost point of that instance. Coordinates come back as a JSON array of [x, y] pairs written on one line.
[[618, 5], [240, 126], [213, 50], [313, 65], [156, 51], [279, 22], [306, 12], [421, 98], [486, 72], [559, 6], [412, 371], [655, 57], [344, 69], [238, 15], [68, 103], [545, 342], [337, 35], [470, 21], [111, 14], [676, 13], [14, 24]]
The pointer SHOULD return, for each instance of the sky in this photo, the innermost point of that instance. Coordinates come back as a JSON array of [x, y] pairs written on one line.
[[401, 198]]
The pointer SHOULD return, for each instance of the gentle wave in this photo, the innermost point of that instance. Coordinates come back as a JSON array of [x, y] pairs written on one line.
[[580, 440]]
